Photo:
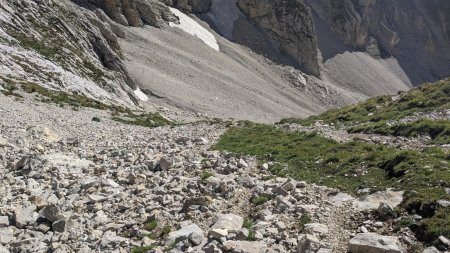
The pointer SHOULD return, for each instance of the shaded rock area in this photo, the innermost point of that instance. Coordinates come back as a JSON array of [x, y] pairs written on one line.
[[289, 25], [395, 27]]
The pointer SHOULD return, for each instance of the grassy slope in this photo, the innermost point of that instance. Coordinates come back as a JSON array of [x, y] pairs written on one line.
[[120, 114], [427, 98], [424, 175]]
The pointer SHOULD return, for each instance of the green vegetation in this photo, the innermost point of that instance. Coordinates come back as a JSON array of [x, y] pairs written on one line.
[[156, 230], [206, 174], [438, 130], [305, 219], [142, 249], [151, 225], [76, 101], [259, 200], [426, 98], [248, 224], [352, 166]]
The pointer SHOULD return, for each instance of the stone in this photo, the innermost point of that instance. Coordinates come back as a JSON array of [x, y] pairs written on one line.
[[182, 234], [316, 229], [229, 222], [384, 210], [26, 165], [444, 240], [97, 198], [24, 216], [307, 243], [245, 246], [164, 164], [110, 239], [39, 202], [3, 249], [52, 213], [243, 234], [4, 221], [196, 237], [374, 243], [59, 226], [280, 226], [431, 250], [218, 233]]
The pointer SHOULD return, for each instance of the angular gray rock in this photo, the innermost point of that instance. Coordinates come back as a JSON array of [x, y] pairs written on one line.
[[245, 247], [183, 234], [52, 213], [307, 243], [229, 222], [24, 216], [374, 243]]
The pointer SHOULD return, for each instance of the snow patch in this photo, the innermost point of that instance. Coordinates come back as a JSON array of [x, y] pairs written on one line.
[[190, 26], [140, 95]]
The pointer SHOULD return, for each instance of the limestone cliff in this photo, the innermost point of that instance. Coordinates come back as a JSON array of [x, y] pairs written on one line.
[[288, 23], [415, 32]]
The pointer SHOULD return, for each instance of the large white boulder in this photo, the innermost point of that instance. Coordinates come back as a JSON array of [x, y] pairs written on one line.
[[374, 243]]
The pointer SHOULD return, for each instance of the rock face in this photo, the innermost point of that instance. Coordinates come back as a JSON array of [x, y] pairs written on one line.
[[289, 25], [373, 243], [136, 12], [395, 27]]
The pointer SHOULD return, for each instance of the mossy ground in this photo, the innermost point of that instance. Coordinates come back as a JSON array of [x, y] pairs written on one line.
[[437, 130], [427, 98], [350, 166], [121, 114]]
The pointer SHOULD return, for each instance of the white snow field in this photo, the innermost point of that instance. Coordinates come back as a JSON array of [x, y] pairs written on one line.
[[190, 26]]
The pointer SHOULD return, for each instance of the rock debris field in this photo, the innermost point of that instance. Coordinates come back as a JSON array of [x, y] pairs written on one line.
[[71, 184]]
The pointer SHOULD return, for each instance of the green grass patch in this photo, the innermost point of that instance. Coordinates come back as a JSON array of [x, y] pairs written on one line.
[[437, 130], [76, 101], [347, 166], [151, 225], [142, 249], [426, 98], [206, 174], [248, 224], [305, 219], [259, 200]]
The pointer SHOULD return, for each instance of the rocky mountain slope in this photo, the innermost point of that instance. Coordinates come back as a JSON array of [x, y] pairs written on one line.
[[77, 176], [256, 60]]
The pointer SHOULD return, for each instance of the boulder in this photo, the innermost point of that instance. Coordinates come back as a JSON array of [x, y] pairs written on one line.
[[307, 243], [24, 216], [316, 229], [184, 234], [374, 243], [229, 222], [52, 213], [245, 247], [431, 250]]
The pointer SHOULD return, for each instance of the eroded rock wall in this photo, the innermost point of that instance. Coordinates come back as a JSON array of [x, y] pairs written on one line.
[[289, 24], [415, 32]]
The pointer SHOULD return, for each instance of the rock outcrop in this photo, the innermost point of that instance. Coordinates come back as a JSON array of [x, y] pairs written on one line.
[[415, 32], [136, 12], [289, 25], [60, 46]]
